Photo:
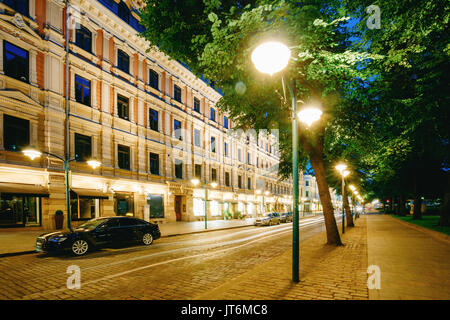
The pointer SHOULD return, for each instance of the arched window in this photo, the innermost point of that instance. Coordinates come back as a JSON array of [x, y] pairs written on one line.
[[83, 38]]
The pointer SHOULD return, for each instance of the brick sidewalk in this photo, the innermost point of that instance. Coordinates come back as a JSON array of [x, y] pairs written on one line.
[[326, 272]]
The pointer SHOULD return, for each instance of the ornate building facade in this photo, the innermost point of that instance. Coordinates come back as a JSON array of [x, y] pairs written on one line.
[[152, 124]]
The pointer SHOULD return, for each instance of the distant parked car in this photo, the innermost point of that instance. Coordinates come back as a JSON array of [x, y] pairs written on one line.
[[286, 217], [268, 219], [97, 233]]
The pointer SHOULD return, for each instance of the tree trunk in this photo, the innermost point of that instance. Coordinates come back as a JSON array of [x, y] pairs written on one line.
[[444, 220], [401, 206], [348, 214], [325, 198]]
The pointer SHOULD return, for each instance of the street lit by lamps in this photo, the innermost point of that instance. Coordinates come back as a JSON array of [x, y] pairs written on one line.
[[196, 182], [272, 57], [33, 153]]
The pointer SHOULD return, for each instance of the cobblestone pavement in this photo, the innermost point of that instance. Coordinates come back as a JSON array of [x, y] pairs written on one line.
[[181, 267], [326, 272]]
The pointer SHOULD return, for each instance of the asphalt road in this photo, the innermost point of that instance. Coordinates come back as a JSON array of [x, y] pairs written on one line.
[[180, 267]]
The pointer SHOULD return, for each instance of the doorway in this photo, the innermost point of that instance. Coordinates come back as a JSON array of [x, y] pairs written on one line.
[[178, 203]]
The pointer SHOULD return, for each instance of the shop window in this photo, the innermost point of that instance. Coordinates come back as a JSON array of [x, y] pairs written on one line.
[[19, 210], [156, 205], [124, 204], [199, 207], [153, 119], [214, 206], [16, 133], [154, 79], [154, 163], [82, 90], [123, 107], [123, 61], [177, 93], [83, 208], [83, 38], [83, 147], [15, 62], [123, 154]]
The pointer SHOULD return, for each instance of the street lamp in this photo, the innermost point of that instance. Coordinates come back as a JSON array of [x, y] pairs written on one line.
[[272, 57], [33, 153], [341, 168], [196, 182]]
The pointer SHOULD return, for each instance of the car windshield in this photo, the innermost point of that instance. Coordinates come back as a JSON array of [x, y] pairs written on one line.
[[91, 224]]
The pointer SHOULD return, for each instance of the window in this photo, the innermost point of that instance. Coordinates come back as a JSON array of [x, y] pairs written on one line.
[[197, 137], [178, 169], [123, 204], [123, 154], [83, 208], [196, 105], [156, 205], [249, 183], [123, 61], [248, 158], [123, 107], [306, 193], [307, 183], [227, 179], [213, 144], [240, 182], [177, 129], [83, 38], [16, 133], [213, 174], [225, 122], [123, 12], [82, 90], [83, 147], [225, 149], [20, 6], [153, 119], [212, 114], [154, 79], [177, 93], [199, 207], [15, 62], [198, 171], [154, 163]]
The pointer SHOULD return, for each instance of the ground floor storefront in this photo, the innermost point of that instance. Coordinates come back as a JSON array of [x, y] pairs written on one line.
[[30, 197]]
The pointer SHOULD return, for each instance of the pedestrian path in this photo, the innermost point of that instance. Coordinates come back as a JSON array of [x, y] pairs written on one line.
[[413, 264]]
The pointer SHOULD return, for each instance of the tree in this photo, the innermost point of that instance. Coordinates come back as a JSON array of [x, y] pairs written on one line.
[[321, 64]]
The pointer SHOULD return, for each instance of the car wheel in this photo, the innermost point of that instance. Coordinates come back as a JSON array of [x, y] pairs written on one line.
[[147, 239], [80, 247], [279, 222]]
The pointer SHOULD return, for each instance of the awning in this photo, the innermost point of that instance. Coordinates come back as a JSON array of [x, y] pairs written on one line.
[[23, 189], [90, 193]]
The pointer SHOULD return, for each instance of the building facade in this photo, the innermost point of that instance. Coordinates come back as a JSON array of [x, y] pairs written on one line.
[[310, 199], [146, 118]]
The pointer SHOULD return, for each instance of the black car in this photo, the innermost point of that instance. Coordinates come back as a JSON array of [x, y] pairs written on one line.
[[286, 217], [99, 232]]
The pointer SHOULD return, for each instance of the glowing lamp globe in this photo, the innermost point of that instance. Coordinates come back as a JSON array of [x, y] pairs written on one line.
[[32, 153], [341, 167], [271, 57], [195, 182], [214, 184], [309, 115], [94, 164]]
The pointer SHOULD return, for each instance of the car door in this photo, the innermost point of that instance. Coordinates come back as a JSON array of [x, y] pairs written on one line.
[[276, 217], [105, 233], [127, 230]]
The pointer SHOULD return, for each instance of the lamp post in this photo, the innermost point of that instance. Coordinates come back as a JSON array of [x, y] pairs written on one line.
[[33, 154], [272, 57], [341, 168], [195, 182]]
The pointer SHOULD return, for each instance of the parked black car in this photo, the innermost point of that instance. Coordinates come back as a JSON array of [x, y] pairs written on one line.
[[286, 217], [99, 232]]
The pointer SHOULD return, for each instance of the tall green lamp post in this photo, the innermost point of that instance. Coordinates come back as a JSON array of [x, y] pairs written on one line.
[[270, 58], [341, 168]]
